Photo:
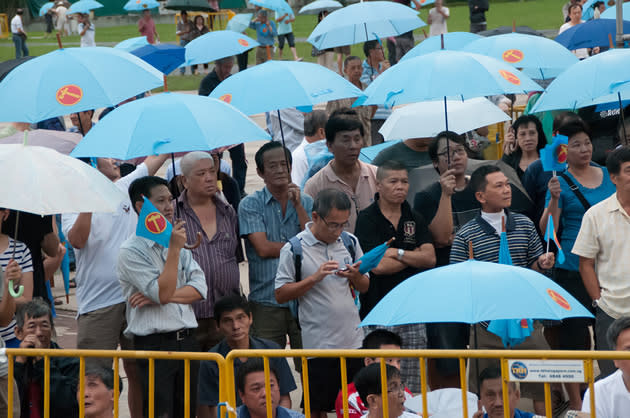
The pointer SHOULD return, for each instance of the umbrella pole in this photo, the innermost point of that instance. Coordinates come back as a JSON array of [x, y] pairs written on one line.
[[15, 234], [448, 148], [165, 84], [621, 117], [175, 186], [59, 41], [476, 361], [286, 153]]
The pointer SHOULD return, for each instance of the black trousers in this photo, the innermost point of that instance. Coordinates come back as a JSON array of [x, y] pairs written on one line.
[[239, 166], [169, 374]]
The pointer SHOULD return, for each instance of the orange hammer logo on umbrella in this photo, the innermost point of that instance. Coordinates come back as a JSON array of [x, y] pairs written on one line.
[[512, 78], [69, 95], [227, 98], [243, 42], [513, 56], [557, 297]]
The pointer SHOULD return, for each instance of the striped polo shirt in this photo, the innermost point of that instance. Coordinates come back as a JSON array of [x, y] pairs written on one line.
[[523, 240]]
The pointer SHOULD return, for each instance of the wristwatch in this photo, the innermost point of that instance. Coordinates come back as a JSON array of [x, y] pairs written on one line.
[[595, 303], [401, 253]]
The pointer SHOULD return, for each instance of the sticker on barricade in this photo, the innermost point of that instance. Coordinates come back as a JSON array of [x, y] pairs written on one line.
[[546, 370]]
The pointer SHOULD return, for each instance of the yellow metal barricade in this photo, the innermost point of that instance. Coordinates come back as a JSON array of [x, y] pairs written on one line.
[[5, 30]]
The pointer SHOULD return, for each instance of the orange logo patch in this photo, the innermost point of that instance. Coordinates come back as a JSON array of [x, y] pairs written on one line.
[[243, 42], [562, 302], [155, 223], [69, 95], [561, 153], [510, 77], [513, 56], [227, 98], [524, 324]]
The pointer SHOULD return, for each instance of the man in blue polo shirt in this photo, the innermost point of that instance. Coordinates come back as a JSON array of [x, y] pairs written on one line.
[[492, 189]]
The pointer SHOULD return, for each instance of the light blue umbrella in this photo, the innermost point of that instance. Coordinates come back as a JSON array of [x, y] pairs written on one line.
[[454, 41], [601, 78], [474, 291], [164, 57], [423, 3], [84, 78], [45, 8], [280, 6], [368, 154], [611, 12], [590, 34], [168, 123], [372, 258], [278, 85], [140, 5], [587, 9], [84, 6], [362, 22], [317, 6], [132, 43], [440, 75], [543, 57], [216, 45], [239, 22]]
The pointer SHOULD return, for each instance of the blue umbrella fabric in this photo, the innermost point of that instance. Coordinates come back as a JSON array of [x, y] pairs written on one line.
[[84, 78], [591, 34], [164, 57], [474, 291], [45, 8], [362, 22], [165, 123], [239, 22], [84, 6], [280, 6], [371, 259], [139, 5], [132, 43], [611, 13], [602, 78], [216, 45], [453, 41], [587, 10], [368, 154], [538, 57], [317, 6], [278, 85], [439, 74]]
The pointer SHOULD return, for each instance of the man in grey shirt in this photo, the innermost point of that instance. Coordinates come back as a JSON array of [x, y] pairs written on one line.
[[159, 285]]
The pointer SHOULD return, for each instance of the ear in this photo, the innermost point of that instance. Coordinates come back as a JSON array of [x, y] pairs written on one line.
[[138, 205], [260, 173], [368, 360], [314, 216], [19, 333], [184, 181], [481, 197]]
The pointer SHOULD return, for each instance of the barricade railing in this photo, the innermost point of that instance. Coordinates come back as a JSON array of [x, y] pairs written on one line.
[[5, 31]]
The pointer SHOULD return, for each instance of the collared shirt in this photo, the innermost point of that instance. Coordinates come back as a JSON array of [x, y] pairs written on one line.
[[360, 198], [281, 412], [209, 372], [328, 316], [523, 240], [261, 212], [215, 256], [16, 24], [140, 263], [604, 238], [187, 27]]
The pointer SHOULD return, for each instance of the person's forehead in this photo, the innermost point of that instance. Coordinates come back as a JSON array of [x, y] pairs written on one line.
[[233, 314], [275, 154], [159, 191], [491, 384], [496, 177], [623, 340], [396, 173], [203, 163], [346, 134], [451, 144], [36, 320], [526, 126], [255, 378]]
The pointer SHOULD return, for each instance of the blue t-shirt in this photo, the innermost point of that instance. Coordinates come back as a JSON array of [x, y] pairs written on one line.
[[573, 212], [284, 27], [264, 36], [517, 414]]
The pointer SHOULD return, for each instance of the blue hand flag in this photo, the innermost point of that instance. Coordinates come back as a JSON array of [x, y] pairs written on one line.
[[153, 225], [372, 258], [550, 233], [554, 156]]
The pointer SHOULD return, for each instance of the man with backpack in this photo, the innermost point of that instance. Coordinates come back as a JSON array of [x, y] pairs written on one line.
[[321, 271]]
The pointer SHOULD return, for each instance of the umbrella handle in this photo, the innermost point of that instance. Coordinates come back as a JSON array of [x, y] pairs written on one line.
[[389, 242], [196, 244], [12, 291]]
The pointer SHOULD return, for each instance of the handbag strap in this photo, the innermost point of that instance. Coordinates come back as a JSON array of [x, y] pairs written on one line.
[[576, 190]]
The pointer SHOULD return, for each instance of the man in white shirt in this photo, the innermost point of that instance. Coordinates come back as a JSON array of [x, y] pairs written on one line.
[[314, 130], [19, 35], [96, 239], [612, 394]]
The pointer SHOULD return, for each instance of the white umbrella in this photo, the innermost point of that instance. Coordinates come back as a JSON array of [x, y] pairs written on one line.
[[317, 6], [61, 141], [41, 180], [426, 119]]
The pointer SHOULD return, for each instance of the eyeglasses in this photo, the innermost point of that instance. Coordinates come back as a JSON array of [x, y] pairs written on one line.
[[396, 388], [453, 152], [334, 226]]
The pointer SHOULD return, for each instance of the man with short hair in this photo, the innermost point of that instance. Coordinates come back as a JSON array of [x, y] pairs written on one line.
[[344, 138], [234, 317], [314, 131], [222, 70], [373, 66], [411, 152], [265, 35], [478, 9], [603, 247], [146, 27], [267, 219], [325, 286], [491, 396], [390, 216], [250, 381], [18, 34], [612, 394], [160, 284], [368, 384], [98, 393], [215, 221], [34, 329]]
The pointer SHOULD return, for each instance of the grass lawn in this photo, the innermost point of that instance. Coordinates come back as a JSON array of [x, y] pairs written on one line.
[[538, 14]]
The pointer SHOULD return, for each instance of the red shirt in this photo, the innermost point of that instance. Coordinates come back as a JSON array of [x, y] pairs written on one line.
[[146, 27]]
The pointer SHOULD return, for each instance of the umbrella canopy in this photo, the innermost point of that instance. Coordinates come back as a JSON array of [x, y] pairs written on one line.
[[168, 122], [442, 76], [164, 57], [602, 78], [587, 10], [189, 5], [132, 43], [317, 6], [45, 8], [454, 41], [280, 6], [509, 29], [544, 57], [278, 85], [368, 154], [474, 291], [7, 66], [239, 22], [591, 34], [362, 22], [611, 12], [216, 45], [84, 6], [139, 5], [61, 141], [56, 183], [426, 119], [84, 78]]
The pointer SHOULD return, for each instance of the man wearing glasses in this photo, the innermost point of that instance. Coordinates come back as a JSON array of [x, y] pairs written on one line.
[[324, 286]]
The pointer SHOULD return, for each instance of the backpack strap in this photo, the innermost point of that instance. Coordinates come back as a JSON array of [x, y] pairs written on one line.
[[296, 249], [349, 243], [575, 189]]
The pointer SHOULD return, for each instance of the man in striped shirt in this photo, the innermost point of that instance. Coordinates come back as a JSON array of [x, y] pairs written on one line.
[[492, 189]]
